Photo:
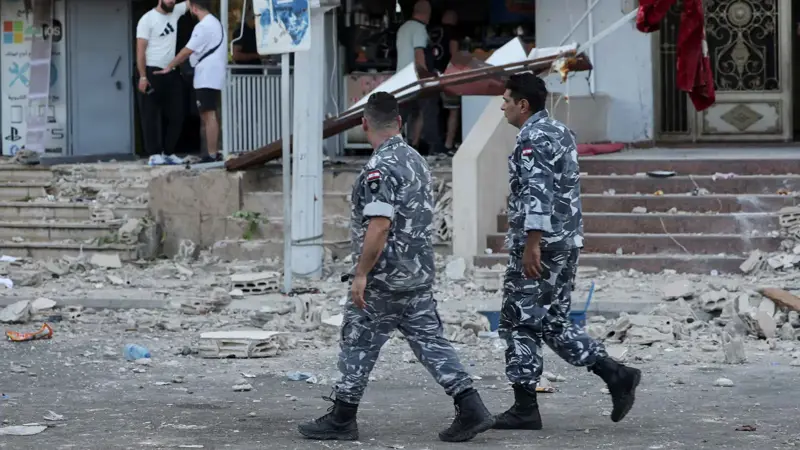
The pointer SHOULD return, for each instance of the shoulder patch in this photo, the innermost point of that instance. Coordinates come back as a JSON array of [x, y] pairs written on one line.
[[374, 180], [527, 152]]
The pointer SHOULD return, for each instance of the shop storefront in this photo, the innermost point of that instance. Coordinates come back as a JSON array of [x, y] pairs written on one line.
[[90, 109]]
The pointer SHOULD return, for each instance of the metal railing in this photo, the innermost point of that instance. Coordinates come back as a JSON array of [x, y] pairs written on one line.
[[251, 114]]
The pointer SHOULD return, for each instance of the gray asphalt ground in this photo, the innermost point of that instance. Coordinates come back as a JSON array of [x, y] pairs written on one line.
[[81, 375]]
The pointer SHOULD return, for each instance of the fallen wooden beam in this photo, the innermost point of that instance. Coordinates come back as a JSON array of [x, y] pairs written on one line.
[[426, 86]]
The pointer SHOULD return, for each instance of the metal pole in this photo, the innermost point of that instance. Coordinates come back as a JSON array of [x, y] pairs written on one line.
[[223, 16], [579, 22], [286, 132]]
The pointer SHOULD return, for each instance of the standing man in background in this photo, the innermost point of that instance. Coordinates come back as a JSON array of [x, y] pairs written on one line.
[[208, 57], [161, 95], [447, 45], [545, 238], [419, 115], [245, 45]]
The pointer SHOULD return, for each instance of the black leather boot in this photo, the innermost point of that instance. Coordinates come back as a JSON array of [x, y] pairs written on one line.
[[523, 415], [472, 418], [622, 382], [339, 424]]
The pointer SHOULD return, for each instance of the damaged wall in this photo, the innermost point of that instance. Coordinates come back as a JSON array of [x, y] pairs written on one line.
[[623, 63]]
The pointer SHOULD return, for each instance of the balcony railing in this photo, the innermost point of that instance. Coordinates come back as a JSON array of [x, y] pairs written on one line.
[[251, 115]]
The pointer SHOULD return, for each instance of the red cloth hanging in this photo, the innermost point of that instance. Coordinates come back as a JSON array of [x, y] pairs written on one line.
[[651, 13], [693, 66]]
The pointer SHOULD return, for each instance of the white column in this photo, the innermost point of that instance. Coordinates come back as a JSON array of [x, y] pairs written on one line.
[[309, 111]]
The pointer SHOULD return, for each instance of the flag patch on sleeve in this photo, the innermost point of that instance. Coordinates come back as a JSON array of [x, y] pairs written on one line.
[[527, 152], [374, 181]]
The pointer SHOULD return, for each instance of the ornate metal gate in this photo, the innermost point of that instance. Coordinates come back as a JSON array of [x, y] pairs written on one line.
[[749, 42]]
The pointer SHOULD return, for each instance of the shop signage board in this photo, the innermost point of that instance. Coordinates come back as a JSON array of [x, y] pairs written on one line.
[[18, 32], [282, 26]]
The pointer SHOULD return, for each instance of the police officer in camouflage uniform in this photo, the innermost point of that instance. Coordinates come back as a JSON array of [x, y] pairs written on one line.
[[545, 237], [391, 232]]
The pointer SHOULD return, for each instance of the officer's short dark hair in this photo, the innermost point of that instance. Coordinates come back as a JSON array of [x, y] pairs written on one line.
[[202, 4], [527, 86], [381, 110]]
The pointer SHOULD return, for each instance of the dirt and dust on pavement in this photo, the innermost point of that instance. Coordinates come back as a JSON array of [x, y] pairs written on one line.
[[719, 353]]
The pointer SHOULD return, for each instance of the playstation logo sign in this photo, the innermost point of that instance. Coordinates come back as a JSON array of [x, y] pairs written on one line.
[[14, 135]]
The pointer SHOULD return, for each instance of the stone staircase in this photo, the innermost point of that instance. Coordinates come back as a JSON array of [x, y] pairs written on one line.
[[263, 194], [697, 221], [47, 212]]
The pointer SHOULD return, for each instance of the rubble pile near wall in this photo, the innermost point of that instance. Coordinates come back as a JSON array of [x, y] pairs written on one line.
[[443, 211]]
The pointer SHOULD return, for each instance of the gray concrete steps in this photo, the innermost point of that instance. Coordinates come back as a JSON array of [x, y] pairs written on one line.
[[54, 250], [642, 263], [657, 223], [740, 184], [640, 163], [270, 204], [43, 231], [664, 244], [15, 173], [20, 191], [16, 211], [720, 203], [333, 179]]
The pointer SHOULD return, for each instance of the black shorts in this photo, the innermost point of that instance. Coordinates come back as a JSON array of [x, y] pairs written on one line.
[[207, 99]]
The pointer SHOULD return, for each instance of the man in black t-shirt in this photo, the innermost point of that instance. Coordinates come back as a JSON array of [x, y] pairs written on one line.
[[446, 43], [245, 46]]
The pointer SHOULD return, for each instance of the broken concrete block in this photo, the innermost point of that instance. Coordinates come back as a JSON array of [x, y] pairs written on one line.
[[27, 278], [767, 306], [714, 300], [639, 210], [679, 289], [42, 304], [456, 269], [128, 233], [257, 283], [759, 324], [617, 352], [596, 331], [241, 344], [106, 260], [794, 319], [647, 336], [787, 332], [18, 312], [219, 298], [754, 262], [733, 349]]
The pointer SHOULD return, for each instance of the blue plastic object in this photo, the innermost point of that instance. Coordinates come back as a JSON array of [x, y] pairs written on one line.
[[579, 317], [494, 319], [133, 352]]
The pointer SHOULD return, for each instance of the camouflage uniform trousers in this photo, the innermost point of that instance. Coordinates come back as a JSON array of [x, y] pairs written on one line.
[[365, 331], [536, 310]]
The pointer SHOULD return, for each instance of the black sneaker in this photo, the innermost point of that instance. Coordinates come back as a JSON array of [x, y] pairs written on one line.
[[339, 424], [209, 159]]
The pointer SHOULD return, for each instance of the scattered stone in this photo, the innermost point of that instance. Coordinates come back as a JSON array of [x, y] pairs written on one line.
[[236, 294], [115, 280], [244, 387], [639, 210], [714, 301], [183, 270], [19, 312], [42, 304], [456, 269], [733, 349], [753, 263], [679, 289], [723, 382], [106, 260], [128, 233], [787, 332]]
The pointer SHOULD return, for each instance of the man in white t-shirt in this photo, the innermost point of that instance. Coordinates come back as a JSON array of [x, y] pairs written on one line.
[[162, 100], [208, 55]]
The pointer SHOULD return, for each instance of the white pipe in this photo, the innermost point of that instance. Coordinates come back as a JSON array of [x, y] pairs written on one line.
[[579, 22], [286, 133], [226, 135], [614, 27], [592, 79]]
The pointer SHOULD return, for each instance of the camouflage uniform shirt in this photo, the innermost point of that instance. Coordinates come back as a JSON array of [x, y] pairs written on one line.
[[544, 186], [396, 183]]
